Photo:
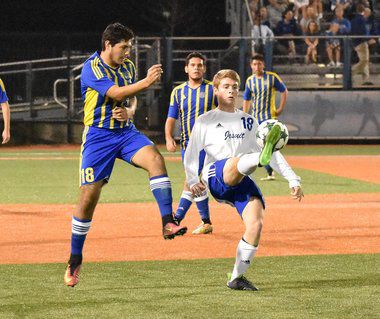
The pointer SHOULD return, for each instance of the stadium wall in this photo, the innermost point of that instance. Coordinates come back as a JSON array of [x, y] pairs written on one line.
[[309, 115]]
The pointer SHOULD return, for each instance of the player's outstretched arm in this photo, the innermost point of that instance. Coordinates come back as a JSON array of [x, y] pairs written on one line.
[[119, 93], [281, 166]]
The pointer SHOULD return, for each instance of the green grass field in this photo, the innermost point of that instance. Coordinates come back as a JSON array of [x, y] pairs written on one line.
[[56, 180], [336, 286], [333, 286]]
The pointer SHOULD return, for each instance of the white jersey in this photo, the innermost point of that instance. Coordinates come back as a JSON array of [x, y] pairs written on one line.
[[222, 135]]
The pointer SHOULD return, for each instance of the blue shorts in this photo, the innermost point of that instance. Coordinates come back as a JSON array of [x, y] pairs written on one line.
[[202, 156], [101, 147], [238, 195]]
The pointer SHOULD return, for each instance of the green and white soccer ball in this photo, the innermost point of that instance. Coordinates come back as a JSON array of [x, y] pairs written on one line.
[[263, 130]]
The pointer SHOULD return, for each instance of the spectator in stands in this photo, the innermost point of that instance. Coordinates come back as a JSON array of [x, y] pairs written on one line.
[[311, 15], [318, 7], [344, 24], [287, 27], [311, 40], [358, 28], [260, 33], [344, 4], [264, 16], [371, 28], [300, 5], [333, 45], [275, 10]]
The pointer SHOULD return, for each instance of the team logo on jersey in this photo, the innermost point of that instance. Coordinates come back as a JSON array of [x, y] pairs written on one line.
[[228, 135], [202, 95]]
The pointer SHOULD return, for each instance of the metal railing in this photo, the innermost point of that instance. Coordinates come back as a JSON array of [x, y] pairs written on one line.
[[49, 88]]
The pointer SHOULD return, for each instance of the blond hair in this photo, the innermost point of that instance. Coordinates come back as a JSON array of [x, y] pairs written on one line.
[[226, 73]]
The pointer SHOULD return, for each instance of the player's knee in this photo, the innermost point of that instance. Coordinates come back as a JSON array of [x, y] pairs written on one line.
[[155, 163], [158, 160], [231, 174], [255, 227]]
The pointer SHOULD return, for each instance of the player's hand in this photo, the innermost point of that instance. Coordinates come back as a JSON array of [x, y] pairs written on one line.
[[171, 145], [154, 74], [120, 114], [6, 136], [198, 189], [297, 193]]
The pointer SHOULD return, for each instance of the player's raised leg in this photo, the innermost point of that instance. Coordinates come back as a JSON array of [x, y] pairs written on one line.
[[150, 159]]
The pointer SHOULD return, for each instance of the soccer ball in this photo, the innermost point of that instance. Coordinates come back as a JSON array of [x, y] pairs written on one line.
[[263, 130]]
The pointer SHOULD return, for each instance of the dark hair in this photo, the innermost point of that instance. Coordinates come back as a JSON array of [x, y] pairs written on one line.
[[258, 56], [195, 55], [285, 12], [115, 33], [308, 26], [360, 8]]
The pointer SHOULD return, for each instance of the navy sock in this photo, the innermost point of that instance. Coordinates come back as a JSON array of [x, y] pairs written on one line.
[[184, 205], [162, 192], [202, 205], [80, 228], [269, 169]]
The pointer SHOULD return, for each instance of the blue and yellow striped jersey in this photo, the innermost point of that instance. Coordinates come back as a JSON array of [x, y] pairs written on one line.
[[3, 93], [262, 92], [188, 104], [96, 78]]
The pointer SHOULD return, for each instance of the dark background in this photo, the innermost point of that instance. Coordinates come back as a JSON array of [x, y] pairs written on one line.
[[147, 18], [45, 29]]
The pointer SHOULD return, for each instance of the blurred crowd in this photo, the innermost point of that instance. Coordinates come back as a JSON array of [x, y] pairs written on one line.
[[314, 18]]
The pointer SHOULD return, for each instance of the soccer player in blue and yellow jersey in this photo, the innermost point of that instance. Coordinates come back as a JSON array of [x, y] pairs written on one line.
[[107, 81], [260, 89], [188, 101], [6, 113]]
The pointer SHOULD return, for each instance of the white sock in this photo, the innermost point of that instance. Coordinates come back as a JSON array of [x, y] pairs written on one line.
[[248, 163], [244, 256], [187, 195]]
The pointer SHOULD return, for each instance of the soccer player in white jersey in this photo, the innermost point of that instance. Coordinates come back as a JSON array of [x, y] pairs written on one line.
[[227, 135]]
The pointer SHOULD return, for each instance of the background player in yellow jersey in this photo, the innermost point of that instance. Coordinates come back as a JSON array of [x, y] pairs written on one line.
[[188, 101], [6, 114], [107, 82], [260, 89]]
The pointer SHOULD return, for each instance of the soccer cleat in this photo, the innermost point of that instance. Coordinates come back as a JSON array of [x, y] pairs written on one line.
[[203, 229], [170, 230], [271, 140], [268, 178], [240, 283], [72, 274]]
